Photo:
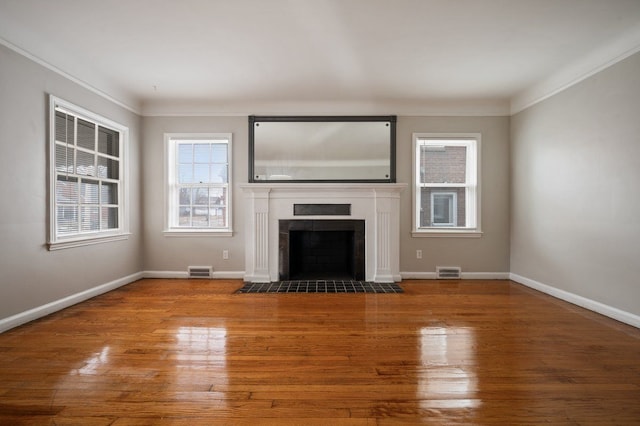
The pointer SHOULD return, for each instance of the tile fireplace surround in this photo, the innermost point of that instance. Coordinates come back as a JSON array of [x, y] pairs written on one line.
[[377, 204]]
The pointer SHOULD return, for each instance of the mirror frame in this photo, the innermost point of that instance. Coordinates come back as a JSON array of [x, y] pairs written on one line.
[[392, 119]]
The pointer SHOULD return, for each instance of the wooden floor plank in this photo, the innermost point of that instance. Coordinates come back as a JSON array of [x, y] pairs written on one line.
[[444, 352]]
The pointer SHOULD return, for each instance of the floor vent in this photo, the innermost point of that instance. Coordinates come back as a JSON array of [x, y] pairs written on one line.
[[200, 271], [448, 272]]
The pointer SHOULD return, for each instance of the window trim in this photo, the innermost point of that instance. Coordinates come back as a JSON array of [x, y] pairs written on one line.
[[446, 231], [169, 179], [58, 242]]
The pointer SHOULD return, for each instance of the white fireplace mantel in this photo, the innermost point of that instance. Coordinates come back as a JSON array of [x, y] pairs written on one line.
[[377, 204]]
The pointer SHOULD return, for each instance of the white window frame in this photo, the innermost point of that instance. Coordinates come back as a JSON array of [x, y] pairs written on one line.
[[56, 240], [472, 187], [172, 229]]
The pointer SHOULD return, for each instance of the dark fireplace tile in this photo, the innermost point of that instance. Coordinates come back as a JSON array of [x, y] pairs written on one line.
[[321, 286]]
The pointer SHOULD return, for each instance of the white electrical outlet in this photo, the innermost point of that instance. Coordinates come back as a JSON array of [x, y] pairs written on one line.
[[225, 254], [418, 254]]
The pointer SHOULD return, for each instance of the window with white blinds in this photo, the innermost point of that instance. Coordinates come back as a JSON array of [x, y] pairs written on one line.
[[87, 182]]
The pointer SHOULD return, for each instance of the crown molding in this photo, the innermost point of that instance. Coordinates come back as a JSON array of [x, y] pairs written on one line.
[[126, 105], [461, 107], [577, 71]]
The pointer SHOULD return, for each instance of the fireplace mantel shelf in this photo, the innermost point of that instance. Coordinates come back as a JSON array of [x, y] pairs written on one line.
[[378, 204]]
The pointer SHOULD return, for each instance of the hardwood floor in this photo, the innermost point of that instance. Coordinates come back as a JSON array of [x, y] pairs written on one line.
[[192, 352]]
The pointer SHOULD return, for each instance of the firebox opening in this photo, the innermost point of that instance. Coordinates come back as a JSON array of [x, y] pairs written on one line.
[[321, 255], [322, 250]]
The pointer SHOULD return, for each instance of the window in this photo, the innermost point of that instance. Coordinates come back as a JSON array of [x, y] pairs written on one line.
[[446, 192], [198, 184], [87, 177], [444, 206]]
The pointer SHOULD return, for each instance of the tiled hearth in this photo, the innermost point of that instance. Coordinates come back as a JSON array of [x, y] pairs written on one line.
[[320, 286], [378, 205]]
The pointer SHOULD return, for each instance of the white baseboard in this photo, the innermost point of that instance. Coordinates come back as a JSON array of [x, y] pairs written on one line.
[[49, 308], [228, 275], [592, 305], [166, 274], [418, 275], [485, 275], [219, 275], [465, 275]]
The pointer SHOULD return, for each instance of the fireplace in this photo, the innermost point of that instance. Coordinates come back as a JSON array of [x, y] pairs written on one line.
[[322, 249], [376, 207]]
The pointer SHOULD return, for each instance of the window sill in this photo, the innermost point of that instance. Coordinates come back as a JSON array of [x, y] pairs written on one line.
[[198, 233], [437, 233], [81, 242]]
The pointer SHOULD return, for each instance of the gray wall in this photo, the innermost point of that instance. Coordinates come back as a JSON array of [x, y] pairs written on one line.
[[30, 275], [575, 167], [489, 253], [163, 253]]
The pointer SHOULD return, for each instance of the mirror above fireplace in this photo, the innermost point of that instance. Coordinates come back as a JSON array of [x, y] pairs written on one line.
[[322, 149]]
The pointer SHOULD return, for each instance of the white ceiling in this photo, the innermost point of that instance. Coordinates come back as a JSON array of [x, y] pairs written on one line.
[[323, 56]]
